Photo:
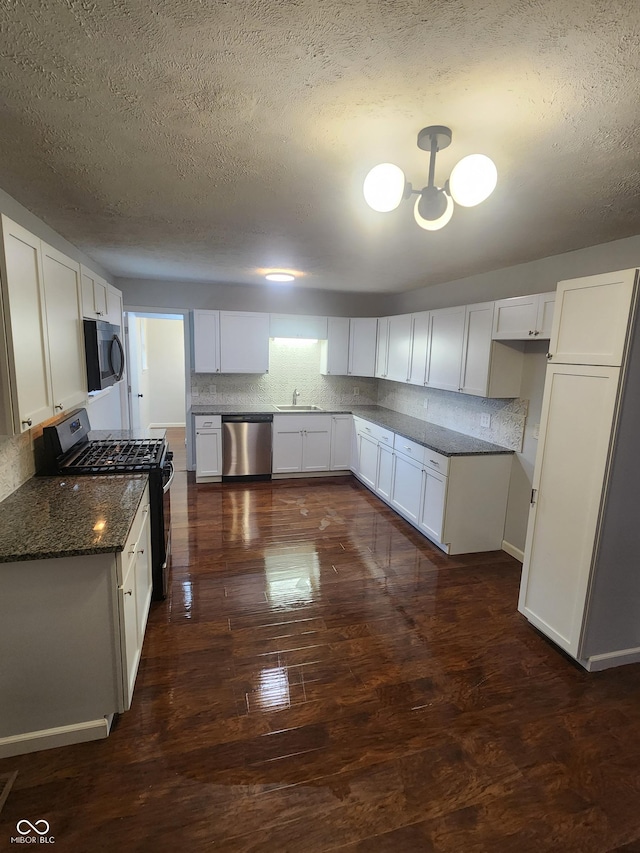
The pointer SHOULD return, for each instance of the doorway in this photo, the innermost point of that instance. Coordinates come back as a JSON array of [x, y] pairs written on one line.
[[158, 366]]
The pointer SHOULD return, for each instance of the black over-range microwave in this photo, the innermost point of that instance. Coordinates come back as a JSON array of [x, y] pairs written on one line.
[[104, 354]]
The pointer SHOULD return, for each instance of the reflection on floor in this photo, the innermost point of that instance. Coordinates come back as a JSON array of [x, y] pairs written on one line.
[[322, 678]]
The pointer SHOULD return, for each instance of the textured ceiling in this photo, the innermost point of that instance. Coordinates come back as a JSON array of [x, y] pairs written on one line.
[[204, 140]]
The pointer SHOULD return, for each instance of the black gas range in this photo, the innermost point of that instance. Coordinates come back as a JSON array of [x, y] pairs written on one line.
[[70, 447]]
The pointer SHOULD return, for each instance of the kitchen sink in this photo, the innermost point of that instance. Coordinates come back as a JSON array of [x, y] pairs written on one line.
[[299, 408]]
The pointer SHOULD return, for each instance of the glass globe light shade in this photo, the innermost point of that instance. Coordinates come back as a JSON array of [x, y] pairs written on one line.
[[473, 180], [384, 187], [434, 224]]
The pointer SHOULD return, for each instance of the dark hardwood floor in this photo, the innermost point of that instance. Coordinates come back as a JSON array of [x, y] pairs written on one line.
[[322, 678]]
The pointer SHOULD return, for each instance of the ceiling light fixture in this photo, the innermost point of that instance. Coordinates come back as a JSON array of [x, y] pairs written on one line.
[[279, 276], [472, 181]]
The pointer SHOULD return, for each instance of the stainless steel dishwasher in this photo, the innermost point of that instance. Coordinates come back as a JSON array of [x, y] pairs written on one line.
[[246, 447]]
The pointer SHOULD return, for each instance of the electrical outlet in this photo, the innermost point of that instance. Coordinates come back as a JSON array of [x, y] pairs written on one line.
[[485, 420], [536, 431], [195, 392], [425, 403], [213, 389], [356, 391]]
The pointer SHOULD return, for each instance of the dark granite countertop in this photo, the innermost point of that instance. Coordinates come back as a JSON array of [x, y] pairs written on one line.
[[448, 442], [69, 516]]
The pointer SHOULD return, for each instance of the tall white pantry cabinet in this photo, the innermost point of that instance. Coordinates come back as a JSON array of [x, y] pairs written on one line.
[[581, 574]]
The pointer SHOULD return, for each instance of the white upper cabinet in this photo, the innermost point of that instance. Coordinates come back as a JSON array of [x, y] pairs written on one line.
[[444, 359], [489, 368], [382, 347], [592, 319], [362, 346], [297, 326], [206, 341], [524, 317], [94, 295], [399, 354], [334, 351], [114, 306], [64, 329], [230, 342], [420, 327], [244, 342], [24, 331]]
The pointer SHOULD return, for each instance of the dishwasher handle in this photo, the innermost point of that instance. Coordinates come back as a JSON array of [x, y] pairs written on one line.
[[247, 419]]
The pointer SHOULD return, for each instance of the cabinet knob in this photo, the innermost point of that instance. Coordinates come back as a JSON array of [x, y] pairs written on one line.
[[549, 356], [28, 422], [536, 332], [531, 331]]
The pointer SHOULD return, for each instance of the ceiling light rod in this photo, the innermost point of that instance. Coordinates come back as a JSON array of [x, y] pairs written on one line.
[[473, 180]]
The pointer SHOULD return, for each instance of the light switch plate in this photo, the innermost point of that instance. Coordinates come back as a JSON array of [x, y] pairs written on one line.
[[485, 420]]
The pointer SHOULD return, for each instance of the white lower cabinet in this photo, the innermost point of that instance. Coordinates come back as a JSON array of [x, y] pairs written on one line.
[[341, 438], [208, 448], [459, 502], [407, 487], [301, 443], [75, 627]]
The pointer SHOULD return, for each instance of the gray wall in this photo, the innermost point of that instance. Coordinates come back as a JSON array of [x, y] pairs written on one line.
[[175, 295]]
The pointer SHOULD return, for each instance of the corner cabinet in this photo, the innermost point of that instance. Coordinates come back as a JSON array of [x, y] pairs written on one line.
[[76, 627], [334, 352], [362, 346], [524, 317], [41, 331]]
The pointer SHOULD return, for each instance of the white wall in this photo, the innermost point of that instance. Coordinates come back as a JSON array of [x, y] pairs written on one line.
[[165, 377]]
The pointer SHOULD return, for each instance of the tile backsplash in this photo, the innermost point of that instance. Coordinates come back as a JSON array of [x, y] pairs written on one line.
[[16, 463], [292, 366], [296, 366]]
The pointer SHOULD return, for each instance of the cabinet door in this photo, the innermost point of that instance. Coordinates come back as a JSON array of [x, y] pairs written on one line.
[[316, 443], [26, 327], [334, 352], [341, 440], [445, 348], [476, 349], [399, 347], [434, 493], [407, 487], [382, 347], [362, 346], [129, 637], [577, 415], [591, 318], [287, 445], [368, 460], [384, 478], [244, 342], [515, 318], [206, 341], [65, 332], [420, 324], [114, 306], [142, 568], [544, 321], [208, 453], [94, 294]]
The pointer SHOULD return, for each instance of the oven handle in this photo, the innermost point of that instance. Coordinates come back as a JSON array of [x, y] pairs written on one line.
[[167, 485]]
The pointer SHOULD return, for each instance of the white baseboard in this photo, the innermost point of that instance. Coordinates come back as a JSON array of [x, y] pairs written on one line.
[[49, 738], [597, 663], [512, 550]]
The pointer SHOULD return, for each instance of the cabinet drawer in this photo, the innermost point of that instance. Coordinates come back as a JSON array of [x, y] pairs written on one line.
[[410, 448], [384, 436], [208, 421], [436, 461]]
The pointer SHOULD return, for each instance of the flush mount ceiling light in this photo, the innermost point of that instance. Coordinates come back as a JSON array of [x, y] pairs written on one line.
[[279, 276], [472, 181]]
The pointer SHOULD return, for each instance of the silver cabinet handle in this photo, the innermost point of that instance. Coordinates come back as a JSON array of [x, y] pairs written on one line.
[[549, 355], [28, 422], [129, 592], [536, 332], [433, 462], [530, 331], [58, 406], [406, 447]]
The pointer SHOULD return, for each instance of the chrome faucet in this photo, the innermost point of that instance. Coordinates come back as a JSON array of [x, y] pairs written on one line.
[[296, 394]]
